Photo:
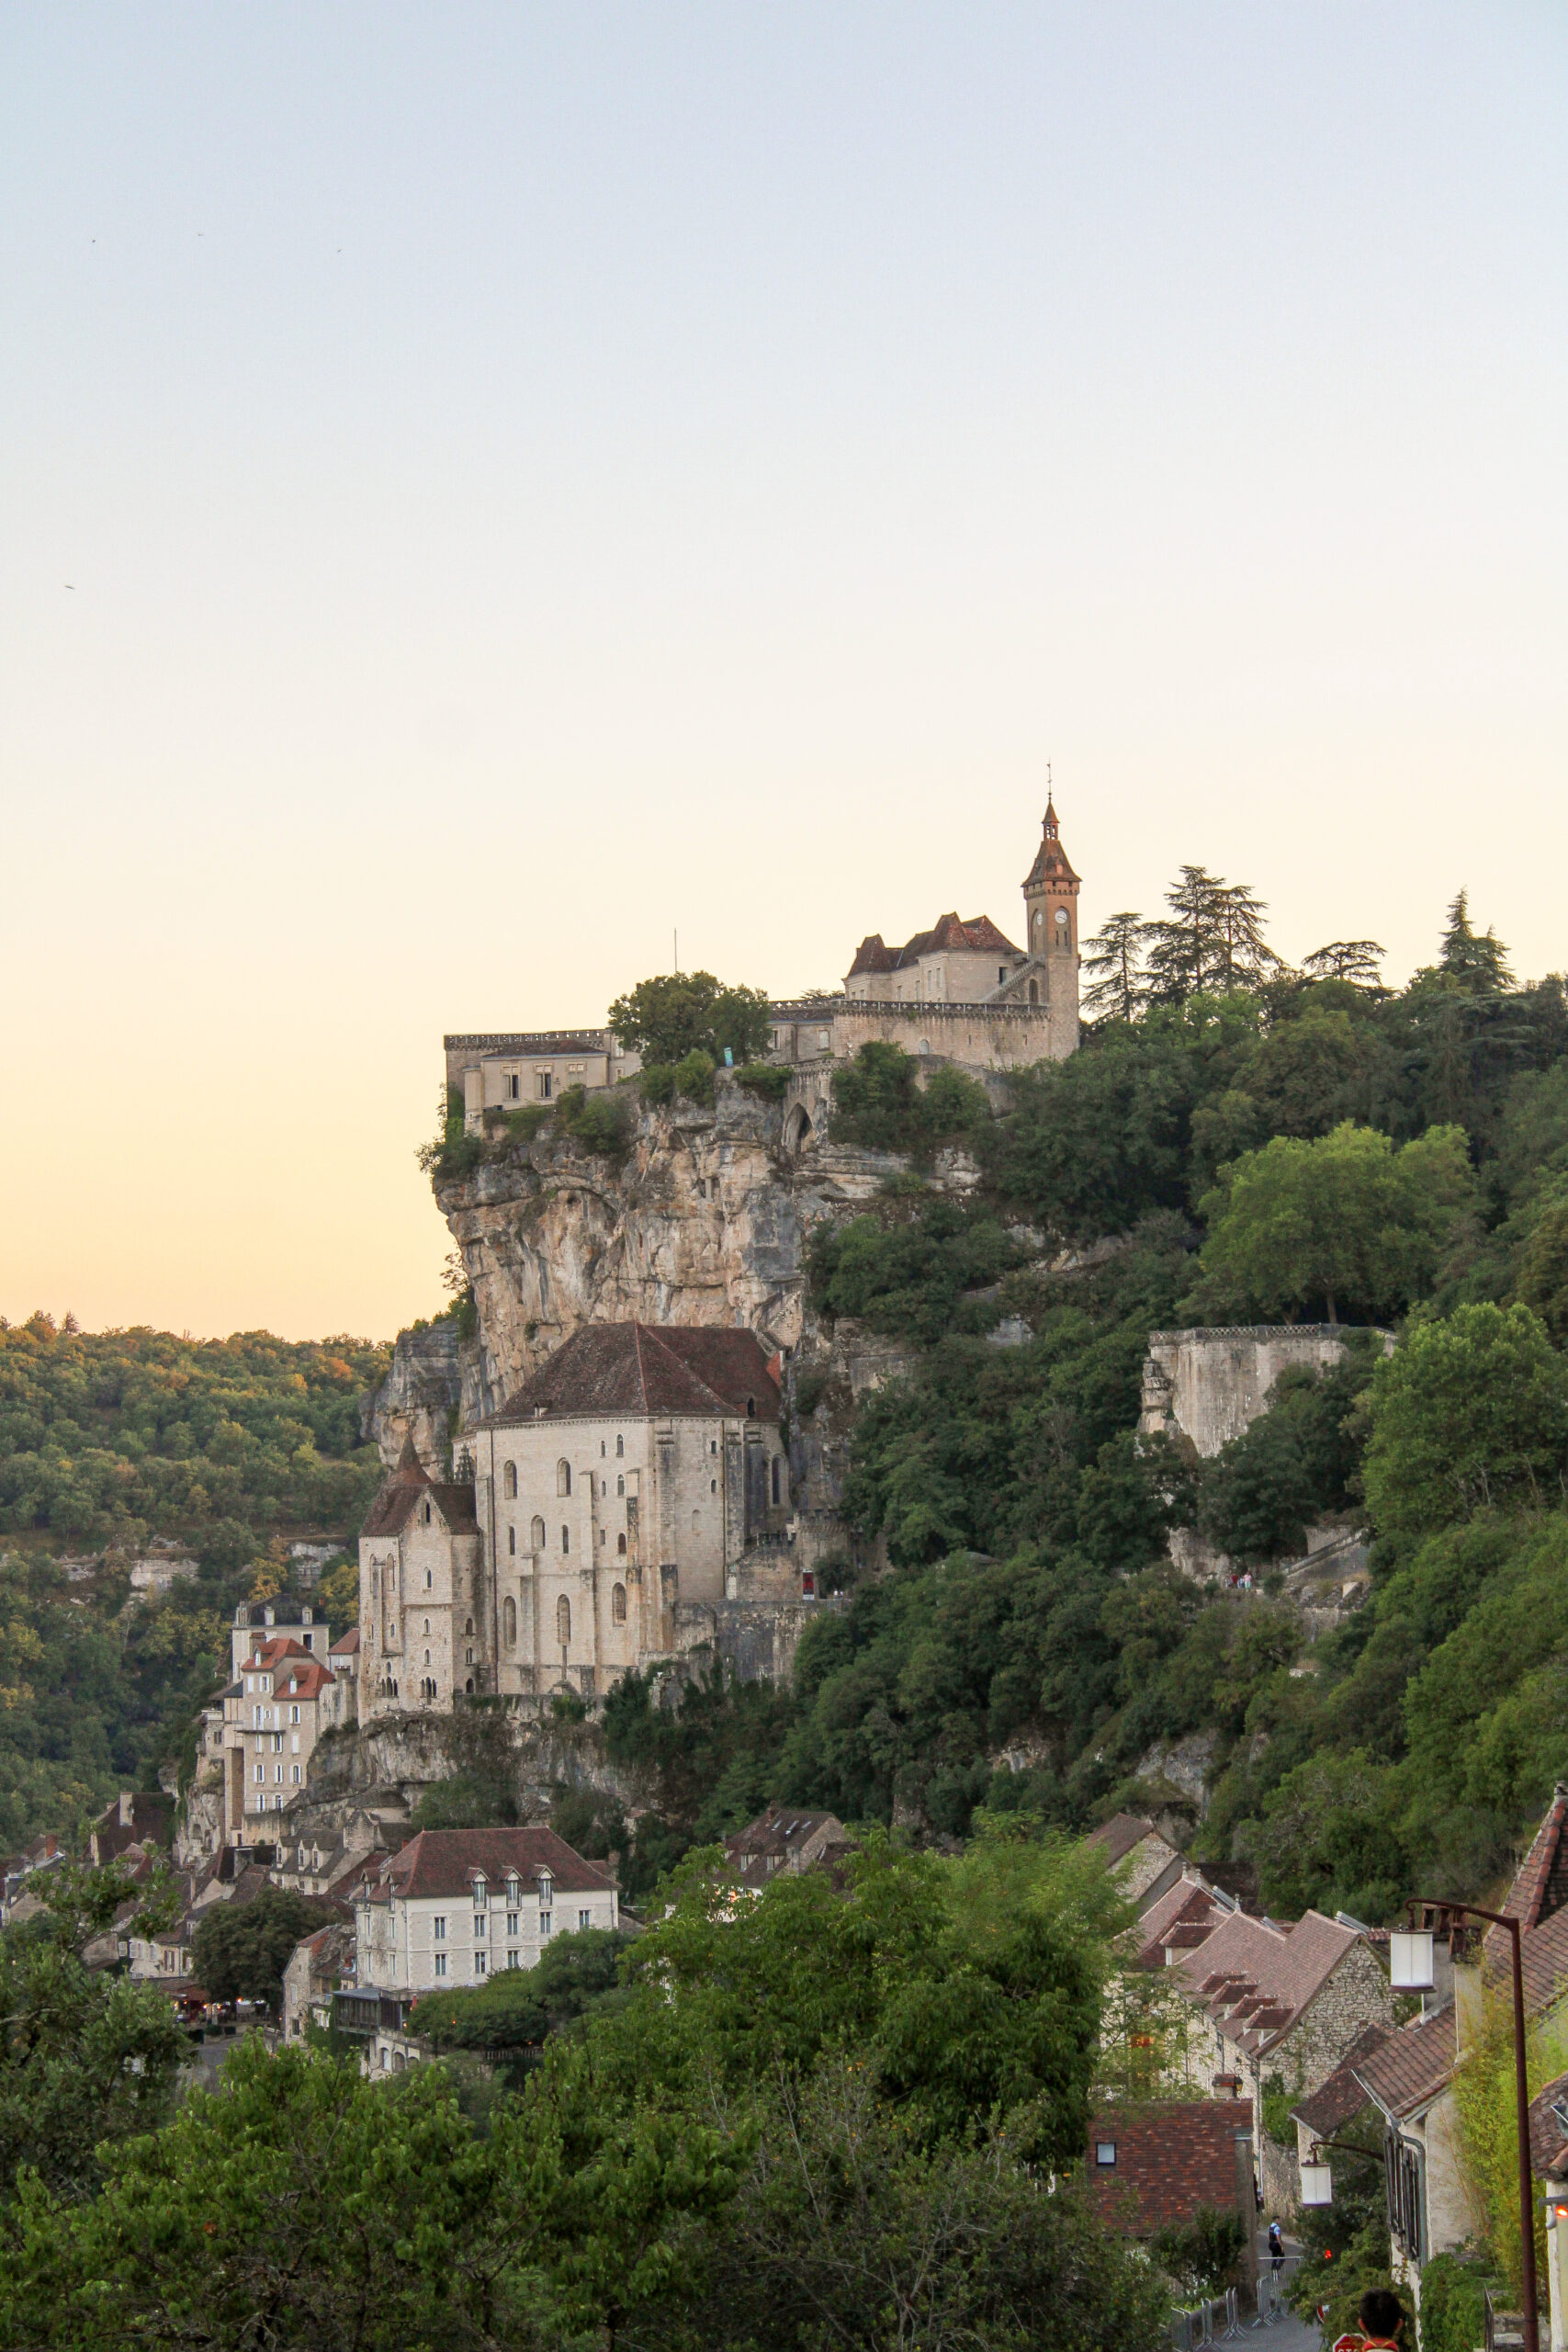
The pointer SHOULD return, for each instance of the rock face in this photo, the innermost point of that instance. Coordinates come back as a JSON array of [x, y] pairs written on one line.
[[419, 1397]]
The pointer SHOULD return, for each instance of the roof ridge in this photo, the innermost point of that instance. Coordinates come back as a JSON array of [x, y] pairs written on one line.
[[686, 1371]]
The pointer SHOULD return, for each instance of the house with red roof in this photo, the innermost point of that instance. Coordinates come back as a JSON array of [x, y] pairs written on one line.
[[457, 1906], [282, 1698]]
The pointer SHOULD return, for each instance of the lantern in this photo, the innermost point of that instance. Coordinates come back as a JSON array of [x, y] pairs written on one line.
[[1318, 2184], [1410, 1959]]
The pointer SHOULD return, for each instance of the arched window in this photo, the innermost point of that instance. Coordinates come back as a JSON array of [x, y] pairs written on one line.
[[563, 1620], [536, 1536], [620, 1446], [509, 1622], [375, 1581], [620, 1486], [563, 1478], [618, 1604], [565, 1540], [621, 1545], [468, 1625], [469, 1686], [1034, 991], [778, 1469], [509, 1482]]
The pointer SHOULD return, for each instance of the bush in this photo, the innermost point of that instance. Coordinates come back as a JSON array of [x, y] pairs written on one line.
[[600, 1122], [770, 1080], [1203, 2255], [523, 1125], [879, 1104], [693, 1077], [1453, 2301]]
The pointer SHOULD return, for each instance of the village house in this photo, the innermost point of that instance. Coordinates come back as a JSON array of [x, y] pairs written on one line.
[[1157, 2167], [281, 1619], [1143, 1861], [454, 1906], [274, 1711], [616, 1499], [316, 1968], [782, 1839], [1276, 2001]]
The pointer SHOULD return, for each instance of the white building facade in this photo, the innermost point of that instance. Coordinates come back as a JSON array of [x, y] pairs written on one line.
[[457, 1906]]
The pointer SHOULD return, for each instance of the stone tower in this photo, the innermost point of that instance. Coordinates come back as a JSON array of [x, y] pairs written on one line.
[[1051, 909]]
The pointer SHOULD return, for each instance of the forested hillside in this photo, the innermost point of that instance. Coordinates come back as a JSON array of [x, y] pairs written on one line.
[[1235, 1142], [107, 1439]]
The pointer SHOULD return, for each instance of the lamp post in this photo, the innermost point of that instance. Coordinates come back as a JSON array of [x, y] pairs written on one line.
[[1318, 2179], [1410, 1971]]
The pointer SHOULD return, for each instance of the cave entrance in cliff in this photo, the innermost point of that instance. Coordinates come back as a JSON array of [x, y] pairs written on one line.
[[797, 1128]]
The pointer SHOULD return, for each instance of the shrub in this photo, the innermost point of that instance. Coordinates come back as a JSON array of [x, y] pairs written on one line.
[[655, 1081], [879, 1104], [693, 1077], [523, 1125], [600, 1123], [1203, 2255], [770, 1080]]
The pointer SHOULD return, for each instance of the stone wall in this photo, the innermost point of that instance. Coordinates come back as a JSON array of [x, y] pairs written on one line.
[[1209, 1386]]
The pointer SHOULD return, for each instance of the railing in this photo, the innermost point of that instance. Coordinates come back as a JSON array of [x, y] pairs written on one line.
[[1223, 2317]]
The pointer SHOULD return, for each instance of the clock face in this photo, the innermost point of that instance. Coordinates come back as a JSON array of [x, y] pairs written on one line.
[[1061, 914]]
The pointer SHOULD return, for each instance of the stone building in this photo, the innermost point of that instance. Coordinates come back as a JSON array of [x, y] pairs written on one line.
[[282, 1619], [959, 993], [456, 1906], [617, 1502], [1144, 1862], [274, 1711]]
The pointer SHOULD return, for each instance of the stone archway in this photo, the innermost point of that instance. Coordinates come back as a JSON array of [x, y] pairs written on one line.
[[798, 1129]]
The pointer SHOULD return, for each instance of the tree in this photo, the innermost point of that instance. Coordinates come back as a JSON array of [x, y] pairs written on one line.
[[1346, 1219], [1357, 960], [1212, 937], [85, 2058], [1115, 956], [1469, 1413], [685, 1012], [1543, 1268], [241, 1949], [1479, 959]]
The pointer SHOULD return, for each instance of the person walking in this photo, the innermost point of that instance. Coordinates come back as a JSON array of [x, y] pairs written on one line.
[[1276, 2249]]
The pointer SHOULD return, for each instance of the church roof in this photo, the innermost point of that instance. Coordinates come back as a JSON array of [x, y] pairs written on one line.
[[1050, 859], [639, 1369], [978, 933], [396, 1497]]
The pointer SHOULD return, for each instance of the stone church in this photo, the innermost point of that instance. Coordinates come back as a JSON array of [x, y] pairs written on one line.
[[629, 1486]]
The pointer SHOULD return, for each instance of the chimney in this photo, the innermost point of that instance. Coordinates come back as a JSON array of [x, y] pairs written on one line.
[[127, 1810]]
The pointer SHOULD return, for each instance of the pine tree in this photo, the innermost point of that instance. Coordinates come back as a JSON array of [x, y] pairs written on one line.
[[1348, 959], [1115, 955], [1481, 961], [1212, 937]]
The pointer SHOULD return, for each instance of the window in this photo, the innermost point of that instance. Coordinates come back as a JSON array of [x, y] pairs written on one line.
[[511, 1540], [713, 1445], [468, 1625], [514, 1890], [427, 1514], [621, 1546], [438, 1929], [620, 1447], [713, 1490], [601, 1447], [536, 1536], [478, 1926], [544, 1085], [296, 1775], [467, 1660], [563, 1478], [509, 1482], [751, 1409], [429, 1579], [441, 1964], [618, 1598], [565, 1540], [585, 1918], [544, 1925], [1001, 974], [261, 1772], [513, 1083], [778, 1478], [513, 1960], [294, 1717], [509, 1622], [563, 1616], [514, 1926], [1105, 2151], [620, 1486]]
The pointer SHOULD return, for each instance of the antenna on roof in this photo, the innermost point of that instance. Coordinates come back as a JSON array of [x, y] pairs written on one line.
[[676, 936]]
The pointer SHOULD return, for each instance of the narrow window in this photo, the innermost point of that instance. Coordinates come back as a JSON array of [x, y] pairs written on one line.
[[778, 1478], [621, 1546], [563, 1478], [479, 1963], [585, 1918], [509, 1622], [509, 1482], [620, 1486], [512, 1539], [563, 1619], [468, 1625], [427, 1514], [536, 1536], [620, 1446], [544, 1086], [438, 1929], [441, 1964], [618, 1604], [566, 1539]]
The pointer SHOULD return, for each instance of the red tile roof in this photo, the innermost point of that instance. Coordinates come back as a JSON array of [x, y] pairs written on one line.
[[1118, 1835], [1254, 1977], [1170, 2159], [1410, 2065], [345, 1643], [640, 1369], [1343, 2095], [1050, 859], [1185, 1916], [444, 1861], [977, 934]]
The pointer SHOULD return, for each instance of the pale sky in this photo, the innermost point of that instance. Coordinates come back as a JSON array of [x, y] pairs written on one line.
[[485, 486]]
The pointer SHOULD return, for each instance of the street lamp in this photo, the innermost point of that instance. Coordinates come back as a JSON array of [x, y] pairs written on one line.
[[1318, 2179], [1415, 1947]]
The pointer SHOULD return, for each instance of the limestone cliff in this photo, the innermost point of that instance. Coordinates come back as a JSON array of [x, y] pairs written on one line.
[[420, 1396]]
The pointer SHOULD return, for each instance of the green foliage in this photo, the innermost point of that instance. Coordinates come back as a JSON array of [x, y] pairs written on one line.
[[1453, 2300], [111, 1436], [1292, 1465], [1344, 2246], [241, 1949], [86, 2058], [691, 1078], [1202, 2257], [906, 1271], [1347, 1220], [682, 1014], [1467, 1413], [601, 1121], [709, 1757], [880, 1104], [515, 2011], [770, 1080]]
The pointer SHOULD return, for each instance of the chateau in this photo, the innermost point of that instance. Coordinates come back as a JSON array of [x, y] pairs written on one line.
[[961, 993]]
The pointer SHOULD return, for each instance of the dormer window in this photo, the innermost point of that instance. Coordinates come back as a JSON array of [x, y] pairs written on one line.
[[514, 1887], [481, 1891], [546, 1888]]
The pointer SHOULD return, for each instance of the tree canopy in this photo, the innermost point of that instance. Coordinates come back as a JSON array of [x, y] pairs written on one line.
[[678, 1013]]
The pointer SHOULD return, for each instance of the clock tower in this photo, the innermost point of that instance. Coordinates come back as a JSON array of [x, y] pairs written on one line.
[[1051, 913]]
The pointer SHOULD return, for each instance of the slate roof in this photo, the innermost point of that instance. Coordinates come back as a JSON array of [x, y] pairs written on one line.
[[1343, 2094], [978, 933], [1184, 1917], [409, 1483], [1254, 1977], [639, 1369], [444, 1861], [1410, 2065]]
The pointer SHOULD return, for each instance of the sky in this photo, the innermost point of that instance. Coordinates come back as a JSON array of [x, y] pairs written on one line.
[[486, 488]]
